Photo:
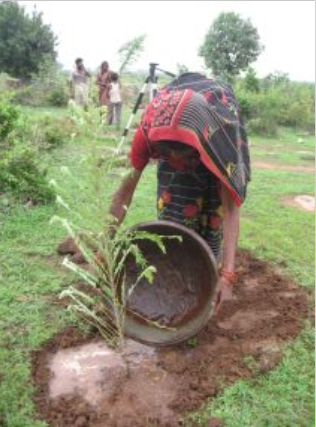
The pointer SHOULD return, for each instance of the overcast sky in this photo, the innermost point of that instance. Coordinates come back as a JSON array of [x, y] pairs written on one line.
[[95, 30]]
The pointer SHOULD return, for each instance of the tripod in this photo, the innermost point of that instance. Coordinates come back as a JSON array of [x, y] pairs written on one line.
[[150, 81]]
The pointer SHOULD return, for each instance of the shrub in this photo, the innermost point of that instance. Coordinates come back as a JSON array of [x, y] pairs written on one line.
[[262, 126], [9, 115], [278, 103], [20, 171], [58, 97], [51, 133], [47, 88], [22, 176]]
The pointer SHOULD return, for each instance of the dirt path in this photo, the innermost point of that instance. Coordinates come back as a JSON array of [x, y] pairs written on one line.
[[274, 166], [244, 340]]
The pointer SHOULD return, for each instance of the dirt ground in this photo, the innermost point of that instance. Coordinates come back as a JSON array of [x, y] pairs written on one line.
[[274, 166], [244, 340], [304, 202]]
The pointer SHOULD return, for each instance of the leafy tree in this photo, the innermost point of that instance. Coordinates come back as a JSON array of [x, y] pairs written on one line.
[[251, 81], [276, 79], [230, 45], [25, 41], [130, 51]]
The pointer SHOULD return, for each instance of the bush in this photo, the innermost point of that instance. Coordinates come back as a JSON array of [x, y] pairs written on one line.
[[45, 134], [9, 115], [51, 133], [58, 97], [47, 88], [262, 126], [22, 176], [279, 103]]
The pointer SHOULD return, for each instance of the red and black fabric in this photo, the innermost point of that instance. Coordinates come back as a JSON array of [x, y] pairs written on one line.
[[204, 114], [191, 198]]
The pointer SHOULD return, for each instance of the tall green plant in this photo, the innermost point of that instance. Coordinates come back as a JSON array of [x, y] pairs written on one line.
[[106, 246], [130, 52]]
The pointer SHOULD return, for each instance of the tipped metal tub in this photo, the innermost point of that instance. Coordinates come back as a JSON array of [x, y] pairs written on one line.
[[180, 301]]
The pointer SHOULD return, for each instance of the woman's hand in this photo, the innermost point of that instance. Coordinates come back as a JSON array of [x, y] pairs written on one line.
[[224, 292]]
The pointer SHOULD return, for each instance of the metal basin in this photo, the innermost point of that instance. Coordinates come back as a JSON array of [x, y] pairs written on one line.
[[180, 301]]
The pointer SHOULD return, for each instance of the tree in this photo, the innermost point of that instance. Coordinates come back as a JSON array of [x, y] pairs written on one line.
[[130, 51], [230, 45], [25, 41], [251, 81]]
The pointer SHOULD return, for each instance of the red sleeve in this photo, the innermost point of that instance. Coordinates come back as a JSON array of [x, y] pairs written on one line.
[[139, 154]]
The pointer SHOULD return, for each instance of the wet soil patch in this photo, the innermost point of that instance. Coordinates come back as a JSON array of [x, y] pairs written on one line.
[[164, 384]]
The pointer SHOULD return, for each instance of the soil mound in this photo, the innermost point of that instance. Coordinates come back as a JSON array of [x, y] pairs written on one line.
[[245, 339]]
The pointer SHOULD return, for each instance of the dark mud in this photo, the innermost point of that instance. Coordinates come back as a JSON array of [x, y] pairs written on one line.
[[181, 284]]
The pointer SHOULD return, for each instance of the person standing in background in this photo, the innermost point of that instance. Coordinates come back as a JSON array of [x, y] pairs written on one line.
[[103, 80], [115, 101], [79, 84]]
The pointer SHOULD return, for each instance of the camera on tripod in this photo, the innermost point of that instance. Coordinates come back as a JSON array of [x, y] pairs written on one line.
[[152, 78]]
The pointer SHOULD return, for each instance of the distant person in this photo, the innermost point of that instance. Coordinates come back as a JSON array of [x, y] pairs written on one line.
[[115, 101], [79, 84], [103, 80]]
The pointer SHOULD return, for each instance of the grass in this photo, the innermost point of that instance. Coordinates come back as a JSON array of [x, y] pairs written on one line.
[[31, 278], [288, 148], [283, 397]]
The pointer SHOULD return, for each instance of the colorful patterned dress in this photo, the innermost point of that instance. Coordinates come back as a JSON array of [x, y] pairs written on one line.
[[192, 199]]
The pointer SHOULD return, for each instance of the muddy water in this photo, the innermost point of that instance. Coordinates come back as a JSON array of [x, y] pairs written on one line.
[[180, 288], [93, 371]]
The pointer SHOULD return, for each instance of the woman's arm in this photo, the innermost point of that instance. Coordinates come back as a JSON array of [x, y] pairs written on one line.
[[122, 198], [230, 230], [230, 234]]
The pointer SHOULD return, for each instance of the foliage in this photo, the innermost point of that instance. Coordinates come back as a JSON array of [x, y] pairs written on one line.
[[130, 52], [22, 175], [262, 126], [9, 115], [276, 79], [25, 41], [278, 102], [251, 81], [49, 132], [230, 45], [105, 245], [103, 303], [49, 87]]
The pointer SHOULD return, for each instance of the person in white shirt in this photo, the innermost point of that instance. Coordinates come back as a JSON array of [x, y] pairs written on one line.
[[115, 101], [79, 84]]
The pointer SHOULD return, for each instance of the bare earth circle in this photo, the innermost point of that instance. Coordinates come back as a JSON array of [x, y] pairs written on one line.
[[303, 201], [79, 382]]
